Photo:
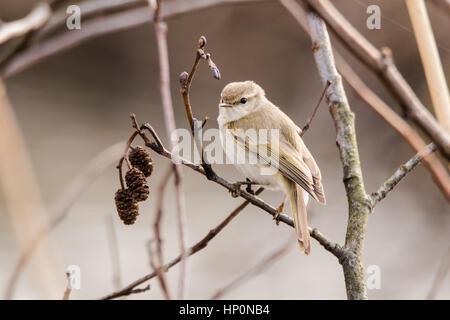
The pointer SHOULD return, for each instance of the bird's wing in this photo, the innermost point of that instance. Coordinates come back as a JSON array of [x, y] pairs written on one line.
[[288, 161]]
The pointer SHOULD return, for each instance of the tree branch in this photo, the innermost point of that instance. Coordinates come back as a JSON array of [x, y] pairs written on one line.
[[34, 20], [431, 61], [439, 172], [401, 172], [358, 200], [157, 232]]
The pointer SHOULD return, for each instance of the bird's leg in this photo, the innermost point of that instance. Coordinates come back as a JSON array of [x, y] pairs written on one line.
[[248, 183], [249, 186], [280, 209]]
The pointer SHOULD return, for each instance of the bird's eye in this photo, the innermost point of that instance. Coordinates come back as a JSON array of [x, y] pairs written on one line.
[[243, 100]]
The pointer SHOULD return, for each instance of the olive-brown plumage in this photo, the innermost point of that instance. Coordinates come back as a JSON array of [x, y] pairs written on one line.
[[244, 106]]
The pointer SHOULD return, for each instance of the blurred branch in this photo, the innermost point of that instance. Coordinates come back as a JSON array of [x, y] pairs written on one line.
[[157, 266], [169, 119], [431, 61], [440, 276], [60, 208], [440, 174], [34, 20], [249, 274], [401, 172], [358, 200], [102, 17], [23, 201], [114, 249], [442, 4], [382, 63], [195, 248], [158, 270]]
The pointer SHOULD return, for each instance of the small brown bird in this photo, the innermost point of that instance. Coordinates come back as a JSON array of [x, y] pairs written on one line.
[[244, 107]]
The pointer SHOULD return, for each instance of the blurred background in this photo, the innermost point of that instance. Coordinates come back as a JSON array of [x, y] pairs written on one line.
[[76, 104]]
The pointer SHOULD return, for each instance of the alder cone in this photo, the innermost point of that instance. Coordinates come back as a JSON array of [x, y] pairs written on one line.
[[137, 184], [140, 158], [126, 206]]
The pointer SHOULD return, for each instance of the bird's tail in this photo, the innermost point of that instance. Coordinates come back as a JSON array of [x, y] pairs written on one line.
[[298, 206]]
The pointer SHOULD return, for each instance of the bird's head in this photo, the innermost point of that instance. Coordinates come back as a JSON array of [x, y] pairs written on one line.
[[240, 98]]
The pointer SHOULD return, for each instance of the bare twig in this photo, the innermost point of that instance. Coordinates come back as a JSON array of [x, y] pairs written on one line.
[[185, 84], [440, 276], [431, 61], [60, 208], [311, 118], [382, 63], [401, 172], [163, 56], [34, 20], [358, 200], [255, 270]]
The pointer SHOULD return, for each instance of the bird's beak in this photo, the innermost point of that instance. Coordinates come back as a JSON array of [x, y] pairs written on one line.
[[225, 105]]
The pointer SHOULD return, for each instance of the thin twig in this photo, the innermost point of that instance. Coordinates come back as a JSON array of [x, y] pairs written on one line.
[[159, 261], [185, 84], [401, 172], [255, 270], [160, 28], [311, 118]]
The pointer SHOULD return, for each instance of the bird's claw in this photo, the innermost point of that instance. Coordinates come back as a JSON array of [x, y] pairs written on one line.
[[235, 193], [276, 217]]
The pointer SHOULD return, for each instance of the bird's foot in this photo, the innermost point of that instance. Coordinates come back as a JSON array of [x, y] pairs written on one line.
[[276, 217], [238, 185]]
